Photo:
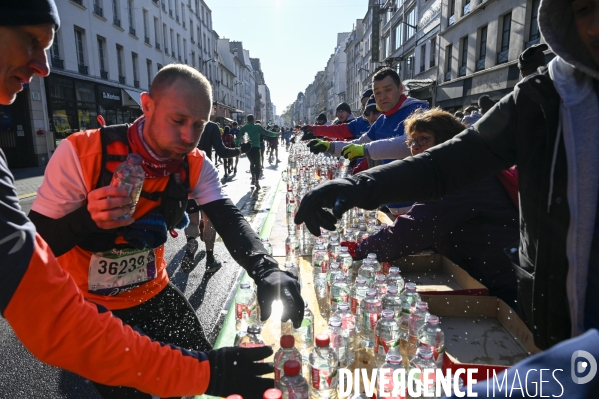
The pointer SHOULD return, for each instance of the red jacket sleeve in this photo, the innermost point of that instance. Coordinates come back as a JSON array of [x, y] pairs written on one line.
[[340, 132], [52, 319]]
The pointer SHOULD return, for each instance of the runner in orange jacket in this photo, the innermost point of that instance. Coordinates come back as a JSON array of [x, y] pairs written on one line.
[[41, 301]]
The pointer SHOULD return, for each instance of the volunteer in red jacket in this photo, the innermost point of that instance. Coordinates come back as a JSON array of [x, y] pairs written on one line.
[[41, 301]]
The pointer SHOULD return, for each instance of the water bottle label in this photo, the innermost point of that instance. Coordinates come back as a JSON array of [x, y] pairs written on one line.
[[382, 346], [354, 304], [323, 379], [338, 299], [289, 249], [370, 320], [385, 267], [240, 308], [277, 375], [437, 352]]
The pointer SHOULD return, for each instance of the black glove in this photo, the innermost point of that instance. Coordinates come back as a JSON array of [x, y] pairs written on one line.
[[305, 128], [246, 147], [274, 283], [340, 195], [236, 370], [317, 146], [308, 136]]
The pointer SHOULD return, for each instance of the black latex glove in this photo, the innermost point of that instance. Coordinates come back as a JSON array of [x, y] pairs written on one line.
[[340, 195], [236, 370], [317, 146], [245, 147], [308, 136], [274, 283], [305, 128]]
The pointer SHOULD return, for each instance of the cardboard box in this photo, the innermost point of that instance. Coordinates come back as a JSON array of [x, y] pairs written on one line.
[[436, 275], [481, 333]]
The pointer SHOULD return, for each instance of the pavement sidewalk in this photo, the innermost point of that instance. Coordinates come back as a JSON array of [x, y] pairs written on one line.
[[27, 181]]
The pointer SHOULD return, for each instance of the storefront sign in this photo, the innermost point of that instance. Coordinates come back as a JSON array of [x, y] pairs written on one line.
[[495, 80], [450, 91], [109, 95]]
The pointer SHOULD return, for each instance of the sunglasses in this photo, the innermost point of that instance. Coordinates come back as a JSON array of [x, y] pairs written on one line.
[[369, 111], [420, 141]]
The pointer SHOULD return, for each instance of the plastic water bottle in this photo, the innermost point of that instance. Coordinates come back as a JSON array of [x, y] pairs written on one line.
[[423, 361], [375, 264], [393, 362], [367, 271], [334, 248], [370, 310], [267, 245], [362, 234], [380, 284], [395, 278], [432, 336], [322, 293], [130, 175], [291, 208], [291, 247], [245, 310], [334, 271], [285, 353], [386, 336], [408, 300], [392, 301], [339, 340], [304, 336], [356, 295], [345, 260], [320, 261], [293, 269], [250, 339], [324, 376], [293, 385], [348, 325], [339, 291], [417, 320]]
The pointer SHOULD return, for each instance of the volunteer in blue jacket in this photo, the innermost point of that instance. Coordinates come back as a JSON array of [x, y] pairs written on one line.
[[395, 107]]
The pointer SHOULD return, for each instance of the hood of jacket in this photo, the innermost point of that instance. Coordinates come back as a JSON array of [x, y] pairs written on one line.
[[556, 23]]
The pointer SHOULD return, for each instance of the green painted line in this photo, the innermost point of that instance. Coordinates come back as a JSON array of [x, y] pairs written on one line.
[[29, 195], [226, 337]]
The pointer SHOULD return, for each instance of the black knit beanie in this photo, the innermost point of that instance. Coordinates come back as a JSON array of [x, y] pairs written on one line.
[[344, 107], [28, 12]]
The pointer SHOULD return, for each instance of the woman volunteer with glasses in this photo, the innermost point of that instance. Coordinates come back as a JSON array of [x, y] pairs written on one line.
[[471, 227]]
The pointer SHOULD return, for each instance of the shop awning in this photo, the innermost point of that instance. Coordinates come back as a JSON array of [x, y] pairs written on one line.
[[131, 98], [229, 120]]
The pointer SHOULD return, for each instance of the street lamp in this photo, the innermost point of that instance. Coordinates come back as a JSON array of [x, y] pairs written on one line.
[[211, 59]]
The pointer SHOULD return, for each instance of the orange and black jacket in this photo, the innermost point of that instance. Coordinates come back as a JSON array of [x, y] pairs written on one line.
[[56, 324]]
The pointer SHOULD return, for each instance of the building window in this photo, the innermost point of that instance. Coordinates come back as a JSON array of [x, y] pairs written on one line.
[[156, 34], [179, 47], [398, 35], [432, 62], [410, 67], [98, 8], [482, 49], [534, 36], [183, 14], [116, 16], [451, 12], [102, 57], [411, 24], [191, 30], [464, 57], [149, 72], [165, 38], [119, 63], [385, 46], [193, 59], [158, 67], [502, 55], [54, 50], [146, 29], [135, 70], [422, 57], [80, 49], [448, 56], [466, 9], [172, 43], [185, 50]]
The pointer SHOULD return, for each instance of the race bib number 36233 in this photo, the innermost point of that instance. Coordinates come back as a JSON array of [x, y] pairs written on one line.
[[119, 270]]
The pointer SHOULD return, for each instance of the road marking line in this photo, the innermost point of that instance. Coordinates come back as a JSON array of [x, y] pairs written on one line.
[[23, 196]]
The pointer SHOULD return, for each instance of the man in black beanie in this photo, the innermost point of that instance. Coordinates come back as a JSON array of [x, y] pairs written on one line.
[[343, 113], [42, 302], [322, 120], [531, 59]]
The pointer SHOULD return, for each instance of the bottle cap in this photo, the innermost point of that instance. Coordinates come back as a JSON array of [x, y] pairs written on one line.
[[380, 278], [424, 352], [322, 340], [335, 265], [421, 305], [432, 319], [272, 393], [234, 397], [292, 367], [343, 306], [245, 286], [340, 277], [388, 314], [361, 280], [371, 292], [134, 158], [335, 321], [394, 359], [392, 289], [394, 270], [411, 286], [287, 341], [372, 256], [254, 329]]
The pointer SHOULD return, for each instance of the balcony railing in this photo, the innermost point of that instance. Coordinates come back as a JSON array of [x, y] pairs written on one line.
[[163, 6], [462, 71], [177, 18], [502, 56], [532, 42], [447, 76], [83, 69], [147, 40], [98, 11], [121, 79], [431, 63], [116, 22], [57, 63], [173, 54], [183, 24], [136, 84], [132, 31], [170, 13], [452, 19], [466, 9], [80, 2], [421, 67], [480, 64], [103, 74]]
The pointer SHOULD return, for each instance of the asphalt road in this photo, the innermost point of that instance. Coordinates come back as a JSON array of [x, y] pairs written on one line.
[[23, 376]]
